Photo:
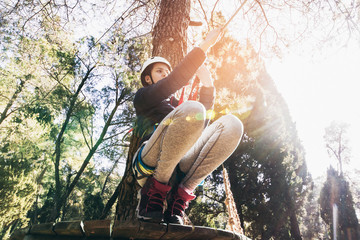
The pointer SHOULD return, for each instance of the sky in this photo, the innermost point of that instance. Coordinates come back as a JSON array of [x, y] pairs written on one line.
[[318, 90]]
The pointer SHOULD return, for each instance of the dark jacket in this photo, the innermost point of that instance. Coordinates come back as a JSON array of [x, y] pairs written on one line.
[[154, 102]]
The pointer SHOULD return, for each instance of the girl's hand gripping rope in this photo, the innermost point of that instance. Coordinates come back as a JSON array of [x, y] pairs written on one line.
[[212, 37]]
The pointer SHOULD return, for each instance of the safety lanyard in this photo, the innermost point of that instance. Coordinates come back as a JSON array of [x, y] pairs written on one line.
[[193, 93]]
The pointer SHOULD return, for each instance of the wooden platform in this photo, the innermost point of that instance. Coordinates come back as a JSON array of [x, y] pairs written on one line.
[[99, 230]]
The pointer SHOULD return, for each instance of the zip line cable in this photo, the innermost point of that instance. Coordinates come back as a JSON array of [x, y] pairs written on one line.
[[234, 14]]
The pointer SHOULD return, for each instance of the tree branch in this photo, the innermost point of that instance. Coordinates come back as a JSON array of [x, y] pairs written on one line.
[[108, 175], [267, 23], [83, 133], [59, 141], [64, 198], [204, 12], [212, 13], [18, 90], [23, 27], [111, 202], [114, 135]]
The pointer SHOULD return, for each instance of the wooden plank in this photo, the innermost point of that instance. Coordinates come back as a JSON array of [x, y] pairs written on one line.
[[69, 228], [202, 233], [223, 235], [148, 230], [39, 237], [56, 237], [97, 228], [101, 230], [176, 231], [43, 229], [125, 229]]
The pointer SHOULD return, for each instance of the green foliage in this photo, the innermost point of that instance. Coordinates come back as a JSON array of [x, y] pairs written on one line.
[[270, 177], [312, 226], [93, 206], [40, 74], [18, 166], [17, 193], [44, 212], [209, 207]]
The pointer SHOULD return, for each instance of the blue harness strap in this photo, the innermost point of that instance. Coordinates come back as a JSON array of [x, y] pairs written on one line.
[[140, 167]]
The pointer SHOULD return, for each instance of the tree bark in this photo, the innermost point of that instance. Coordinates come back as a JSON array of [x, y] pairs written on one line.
[[294, 224], [294, 229], [106, 211], [170, 32], [170, 42]]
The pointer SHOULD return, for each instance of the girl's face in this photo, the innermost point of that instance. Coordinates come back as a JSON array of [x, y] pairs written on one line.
[[158, 72]]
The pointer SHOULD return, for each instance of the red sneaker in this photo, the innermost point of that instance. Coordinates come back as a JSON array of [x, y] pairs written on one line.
[[151, 200], [178, 202]]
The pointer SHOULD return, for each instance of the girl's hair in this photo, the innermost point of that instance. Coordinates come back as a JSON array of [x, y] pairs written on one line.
[[146, 72]]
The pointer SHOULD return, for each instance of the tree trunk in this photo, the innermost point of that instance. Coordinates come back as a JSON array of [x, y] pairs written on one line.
[[295, 229], [126, 206], [170, 42], [170, 32], [294, 224]]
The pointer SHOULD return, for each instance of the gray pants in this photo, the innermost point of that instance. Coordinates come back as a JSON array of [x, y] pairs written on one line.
[[182, 139]]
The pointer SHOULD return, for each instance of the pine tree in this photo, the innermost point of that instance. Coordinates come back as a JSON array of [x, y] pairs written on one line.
[[268, 171], [337, 207]]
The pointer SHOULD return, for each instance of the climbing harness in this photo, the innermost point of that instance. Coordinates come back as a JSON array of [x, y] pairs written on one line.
[[193, 92]]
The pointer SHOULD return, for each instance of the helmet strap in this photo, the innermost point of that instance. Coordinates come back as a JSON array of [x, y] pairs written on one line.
[[151, 79]]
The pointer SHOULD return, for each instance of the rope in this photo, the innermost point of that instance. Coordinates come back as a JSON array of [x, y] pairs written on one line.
[[235, 13]]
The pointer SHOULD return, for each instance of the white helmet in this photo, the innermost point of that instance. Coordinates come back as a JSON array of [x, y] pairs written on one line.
[[149, 62]]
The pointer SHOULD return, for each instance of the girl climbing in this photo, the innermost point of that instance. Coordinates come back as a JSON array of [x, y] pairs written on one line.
[[177, 138]]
